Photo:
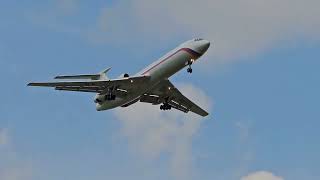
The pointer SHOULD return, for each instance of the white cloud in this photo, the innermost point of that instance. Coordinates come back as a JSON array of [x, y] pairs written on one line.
[[262, 175], [237, 28], [152, 132]]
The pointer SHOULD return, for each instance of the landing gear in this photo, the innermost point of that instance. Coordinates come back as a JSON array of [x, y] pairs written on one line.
[[110, 95], [189, 70], [165, 106]]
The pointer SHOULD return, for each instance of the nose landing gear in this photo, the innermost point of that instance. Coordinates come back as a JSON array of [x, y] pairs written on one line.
[[189, 70]]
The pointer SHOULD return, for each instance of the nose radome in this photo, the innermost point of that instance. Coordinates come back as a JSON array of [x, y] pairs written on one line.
[[204, 46]]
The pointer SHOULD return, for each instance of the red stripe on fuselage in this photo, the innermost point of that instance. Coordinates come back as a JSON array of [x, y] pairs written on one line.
[[193, 53]]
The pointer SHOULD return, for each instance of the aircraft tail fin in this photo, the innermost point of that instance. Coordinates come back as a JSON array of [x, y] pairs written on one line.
[[102, 75]]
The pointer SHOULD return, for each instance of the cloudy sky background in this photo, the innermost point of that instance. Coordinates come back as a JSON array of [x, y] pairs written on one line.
[[259, 80]]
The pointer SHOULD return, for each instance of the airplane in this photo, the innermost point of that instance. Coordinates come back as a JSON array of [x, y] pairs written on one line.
[[150, 85]]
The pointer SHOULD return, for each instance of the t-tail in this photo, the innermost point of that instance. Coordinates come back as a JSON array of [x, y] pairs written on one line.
[[100, 76]]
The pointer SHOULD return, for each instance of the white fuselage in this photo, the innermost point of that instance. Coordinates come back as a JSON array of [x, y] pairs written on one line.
[[161, 69]]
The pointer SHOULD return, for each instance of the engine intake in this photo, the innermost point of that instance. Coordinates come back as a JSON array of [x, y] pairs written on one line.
[[97, 100]]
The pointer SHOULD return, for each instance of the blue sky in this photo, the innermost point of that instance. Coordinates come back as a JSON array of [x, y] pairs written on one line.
[[263, 88]]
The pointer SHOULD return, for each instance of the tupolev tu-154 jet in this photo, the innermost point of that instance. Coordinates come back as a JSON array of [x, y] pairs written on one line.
[[150, 85]]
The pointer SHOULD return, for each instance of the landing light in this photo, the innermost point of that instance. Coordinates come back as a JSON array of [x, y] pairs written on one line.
[[131, 81], [169, 88]]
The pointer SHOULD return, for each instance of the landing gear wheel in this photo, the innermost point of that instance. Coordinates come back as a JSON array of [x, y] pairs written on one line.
[[165, 107], [189, 70]]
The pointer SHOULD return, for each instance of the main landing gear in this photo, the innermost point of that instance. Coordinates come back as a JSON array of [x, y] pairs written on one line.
[[165, 106], [110, 96], [189, 70]]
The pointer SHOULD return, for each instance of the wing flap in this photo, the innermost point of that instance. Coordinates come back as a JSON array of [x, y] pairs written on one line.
[[77, 89], [150, 99], [178, 107], [188, 104]]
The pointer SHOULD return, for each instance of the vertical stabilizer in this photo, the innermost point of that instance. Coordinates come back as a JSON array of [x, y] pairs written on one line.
[[103, 74]]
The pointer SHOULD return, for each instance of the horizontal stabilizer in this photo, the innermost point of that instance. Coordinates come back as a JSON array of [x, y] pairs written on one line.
[[100, 76]]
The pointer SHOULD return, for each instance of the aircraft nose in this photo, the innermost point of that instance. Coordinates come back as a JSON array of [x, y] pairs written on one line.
[[204, 46]]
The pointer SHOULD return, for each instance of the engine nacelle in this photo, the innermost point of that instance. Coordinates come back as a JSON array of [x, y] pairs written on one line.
[[125, 75], [99, 99]]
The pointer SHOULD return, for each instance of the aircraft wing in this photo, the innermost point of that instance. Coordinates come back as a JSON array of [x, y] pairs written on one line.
[[166, 92], [96, 86]]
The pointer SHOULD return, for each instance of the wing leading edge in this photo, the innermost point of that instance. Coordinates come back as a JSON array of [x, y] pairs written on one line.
[[165, 91]]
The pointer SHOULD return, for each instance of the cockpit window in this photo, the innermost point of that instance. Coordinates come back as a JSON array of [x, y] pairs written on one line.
[[198, 39]]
